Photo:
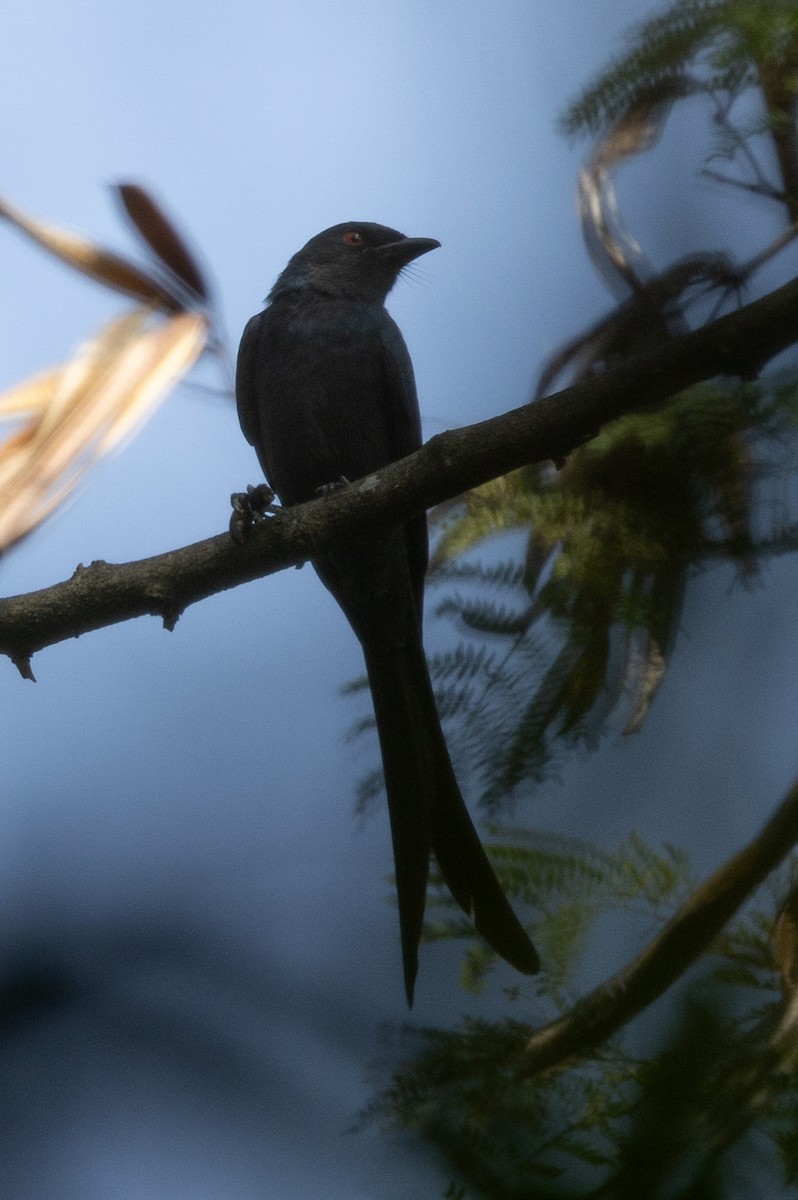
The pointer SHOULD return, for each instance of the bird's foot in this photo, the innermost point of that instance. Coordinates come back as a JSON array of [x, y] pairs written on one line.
[[330, 489], [249, 508]]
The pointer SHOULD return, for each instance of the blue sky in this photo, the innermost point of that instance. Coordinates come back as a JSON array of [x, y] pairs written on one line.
[[195, 790]]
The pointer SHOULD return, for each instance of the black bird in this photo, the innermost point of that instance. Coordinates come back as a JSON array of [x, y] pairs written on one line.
[[326, 393]]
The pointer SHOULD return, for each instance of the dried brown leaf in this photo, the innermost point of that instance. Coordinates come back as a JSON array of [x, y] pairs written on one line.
[[92, 260], [162, 237]]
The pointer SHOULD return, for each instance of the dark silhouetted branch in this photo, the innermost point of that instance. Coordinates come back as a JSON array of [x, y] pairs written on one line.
[[614, 1003], [102, 594]]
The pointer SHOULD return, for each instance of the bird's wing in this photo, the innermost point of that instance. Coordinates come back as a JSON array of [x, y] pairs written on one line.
[[406, 432], [247, 379]]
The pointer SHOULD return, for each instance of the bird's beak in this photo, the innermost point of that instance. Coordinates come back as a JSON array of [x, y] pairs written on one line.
[[409, 248]]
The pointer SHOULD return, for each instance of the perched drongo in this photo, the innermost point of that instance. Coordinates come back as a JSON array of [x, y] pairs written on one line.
[[326, 393]]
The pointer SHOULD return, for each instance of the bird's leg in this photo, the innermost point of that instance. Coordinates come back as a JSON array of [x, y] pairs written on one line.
[[249, 508]]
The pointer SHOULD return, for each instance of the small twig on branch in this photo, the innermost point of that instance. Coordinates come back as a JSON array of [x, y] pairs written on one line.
[[759, 189], [614, 1003], [451, 463], [741, 143], [770, 251], [735, 549]]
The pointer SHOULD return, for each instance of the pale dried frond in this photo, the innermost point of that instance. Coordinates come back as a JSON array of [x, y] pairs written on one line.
[[78, 412]]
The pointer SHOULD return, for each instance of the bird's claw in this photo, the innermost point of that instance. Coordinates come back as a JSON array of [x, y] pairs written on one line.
[[337, 485], [249, 508]]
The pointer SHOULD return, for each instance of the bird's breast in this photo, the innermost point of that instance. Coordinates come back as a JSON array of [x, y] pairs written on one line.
[[323, 397]]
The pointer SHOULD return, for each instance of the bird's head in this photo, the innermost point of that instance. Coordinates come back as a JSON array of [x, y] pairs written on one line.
[[356, 260]]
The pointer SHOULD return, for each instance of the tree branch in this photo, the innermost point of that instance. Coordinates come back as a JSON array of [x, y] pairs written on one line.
[[102, 594], [615, 1002], [759, 189]]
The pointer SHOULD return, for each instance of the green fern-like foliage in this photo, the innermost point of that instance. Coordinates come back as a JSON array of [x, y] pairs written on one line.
[[571, 885], [710, 46], [721, 49], [577, 630], [576, 624], [574, 633], [589, 613], [586, 621], [634, 1117]]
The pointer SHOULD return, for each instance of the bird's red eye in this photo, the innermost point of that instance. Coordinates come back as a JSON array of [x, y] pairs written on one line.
[[353, 238]]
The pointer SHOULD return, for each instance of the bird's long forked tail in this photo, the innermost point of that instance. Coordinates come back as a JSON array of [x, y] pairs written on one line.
[[428, 813]]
